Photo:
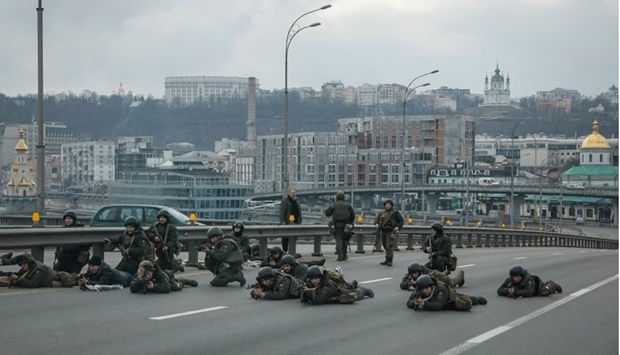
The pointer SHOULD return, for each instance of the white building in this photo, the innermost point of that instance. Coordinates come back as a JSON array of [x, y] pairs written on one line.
[[87, 163], [185, 90], [498, 94]]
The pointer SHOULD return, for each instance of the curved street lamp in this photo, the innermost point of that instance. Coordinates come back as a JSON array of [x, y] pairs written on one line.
[[292, 32], [408, 92]]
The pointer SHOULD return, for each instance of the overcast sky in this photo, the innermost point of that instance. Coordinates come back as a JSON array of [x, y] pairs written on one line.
[[94, 45]]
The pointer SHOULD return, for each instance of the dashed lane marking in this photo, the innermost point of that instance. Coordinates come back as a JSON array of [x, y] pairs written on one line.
[[501, 329], [377, 280], [189, 313], [520, 257], [467, 265]]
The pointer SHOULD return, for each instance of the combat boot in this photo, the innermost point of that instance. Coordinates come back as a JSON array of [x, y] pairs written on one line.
[[321, 261], [4, 258], [384, 262], [555, 286], [239, 277], [192, 283], [353, 285], [389, 261], [367, 292], [477, 300]]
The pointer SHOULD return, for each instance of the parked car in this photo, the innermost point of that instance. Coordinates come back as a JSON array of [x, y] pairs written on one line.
[[579, 220], [115, 215]]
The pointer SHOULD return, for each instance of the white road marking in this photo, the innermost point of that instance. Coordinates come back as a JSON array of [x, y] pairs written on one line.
[[188, 313], [520, 257], [468, 265], [557, 253], [377, 280], [501, 329]]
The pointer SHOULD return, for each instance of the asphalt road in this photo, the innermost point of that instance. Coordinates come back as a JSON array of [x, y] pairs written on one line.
[[583, 319]]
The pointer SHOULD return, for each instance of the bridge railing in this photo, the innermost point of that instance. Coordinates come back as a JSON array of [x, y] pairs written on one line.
[[37, 239]]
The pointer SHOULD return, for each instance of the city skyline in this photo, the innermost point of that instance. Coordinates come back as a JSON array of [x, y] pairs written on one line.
[[565, 43]]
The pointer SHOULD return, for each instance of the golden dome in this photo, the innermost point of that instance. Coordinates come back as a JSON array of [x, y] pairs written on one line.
[[21, 146], [594, 140]]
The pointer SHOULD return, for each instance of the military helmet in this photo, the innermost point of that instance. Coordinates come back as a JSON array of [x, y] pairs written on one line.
[[24, 258], [415, 267], [164, 213], [339, 196], [388, 201], [438, 227], [147, 265], [423, 282], [132, 221], [239, 224], [214, 232], [315, 271], [517, 270], [70, 213], [255, 248], [288, 259], [276, 250], [265, 273]]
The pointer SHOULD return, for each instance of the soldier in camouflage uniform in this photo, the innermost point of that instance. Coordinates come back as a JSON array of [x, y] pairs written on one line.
[[151, 279], [290, 266], [320, 288], [415, 270], [275, 285], [241, 239], [223, 258], [438, 247], [523, 284], [71, 258], [434, 295], [134, 245], [389, 222], [343, 216], [100, 273], [33, 274], [165, 238]]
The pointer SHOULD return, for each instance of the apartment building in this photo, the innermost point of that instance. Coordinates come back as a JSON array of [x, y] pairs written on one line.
[[185, 90]]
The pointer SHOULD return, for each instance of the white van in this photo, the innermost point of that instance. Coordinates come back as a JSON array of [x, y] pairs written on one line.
[[487, 182]]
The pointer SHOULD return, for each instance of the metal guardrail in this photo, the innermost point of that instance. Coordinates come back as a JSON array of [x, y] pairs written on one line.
[[37, 239]]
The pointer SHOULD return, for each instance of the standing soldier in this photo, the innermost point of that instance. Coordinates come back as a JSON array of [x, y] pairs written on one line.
[[241, 239], [389, 222], [522, 284], [71, 258], [223, 259], [415, 270], [433, 295], [342, 215], [290, 213], [164, 236], [438, 247], [134, 246]]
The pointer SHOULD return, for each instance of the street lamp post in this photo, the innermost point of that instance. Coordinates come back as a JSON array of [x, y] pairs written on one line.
[[512, 175], [292, 32], [408, 91], [540, 195], [41, 129]]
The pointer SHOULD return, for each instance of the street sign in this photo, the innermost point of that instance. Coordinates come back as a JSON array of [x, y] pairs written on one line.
[[512, 218]]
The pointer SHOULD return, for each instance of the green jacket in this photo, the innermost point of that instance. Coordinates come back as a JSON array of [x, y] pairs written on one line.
[[439, 300], [37, 275], [286, 209], [528, 287], [388, 220], [284, 286]]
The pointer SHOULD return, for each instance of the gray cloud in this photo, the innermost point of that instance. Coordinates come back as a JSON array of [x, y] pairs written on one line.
[[94, 45]]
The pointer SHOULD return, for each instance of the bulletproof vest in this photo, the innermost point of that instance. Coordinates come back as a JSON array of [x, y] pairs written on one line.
[[341, 212]]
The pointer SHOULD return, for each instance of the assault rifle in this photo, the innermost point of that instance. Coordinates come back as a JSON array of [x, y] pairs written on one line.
[[416, 297], [123, 252], [8, 274], [377, 240], [143, 283]]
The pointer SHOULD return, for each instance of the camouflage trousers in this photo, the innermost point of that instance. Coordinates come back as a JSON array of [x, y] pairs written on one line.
[[389, 241]]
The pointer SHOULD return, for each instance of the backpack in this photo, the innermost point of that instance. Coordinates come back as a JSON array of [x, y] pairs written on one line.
[[452, 260], [345, 294], [461, 302]]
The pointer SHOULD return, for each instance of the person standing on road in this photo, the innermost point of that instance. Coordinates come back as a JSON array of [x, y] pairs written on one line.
[[71, 258], [522, 284], [223, 258], [343, 216], [438, 247], [134, 246], [415, 270], [290, 213], [434, 295], [389, 222]]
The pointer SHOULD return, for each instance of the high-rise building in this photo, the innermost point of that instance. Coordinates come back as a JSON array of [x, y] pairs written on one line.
[[185, 90], [87, 163]]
